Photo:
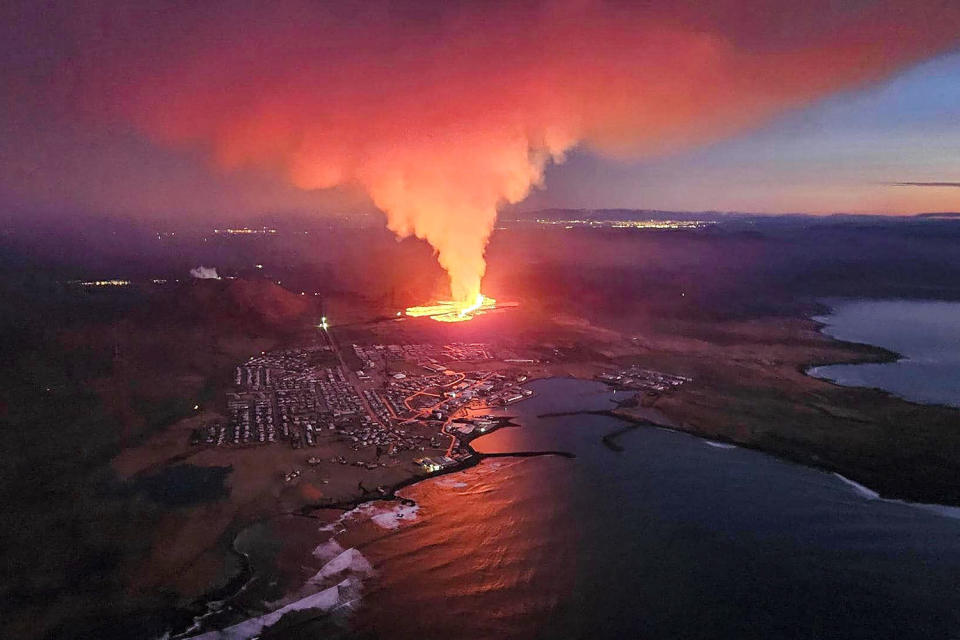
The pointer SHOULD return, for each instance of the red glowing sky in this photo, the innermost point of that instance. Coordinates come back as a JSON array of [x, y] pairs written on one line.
[[438, 112], [121, 107], [147, 108]]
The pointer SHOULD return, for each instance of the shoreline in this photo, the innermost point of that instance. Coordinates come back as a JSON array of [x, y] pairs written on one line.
[[390, 494], [876, 354], [609, 439], [883, 356], [843, 474], [200, 607]]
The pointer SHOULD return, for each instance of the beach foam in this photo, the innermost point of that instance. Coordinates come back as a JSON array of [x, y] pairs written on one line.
[[343, 593], [869, 494], [389, 517], [327, 550], [351, 561], [944, 510], [451, 481], [393, 518], [719, 445]]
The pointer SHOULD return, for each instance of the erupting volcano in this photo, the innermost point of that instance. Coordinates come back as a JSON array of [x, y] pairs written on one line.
[[449, 111], [452, 311]]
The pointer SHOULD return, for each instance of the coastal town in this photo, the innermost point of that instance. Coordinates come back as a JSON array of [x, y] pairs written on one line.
[[404, 399]]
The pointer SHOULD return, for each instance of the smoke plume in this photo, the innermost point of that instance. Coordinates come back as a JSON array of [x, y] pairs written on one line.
[[443, 112], [205, 273]]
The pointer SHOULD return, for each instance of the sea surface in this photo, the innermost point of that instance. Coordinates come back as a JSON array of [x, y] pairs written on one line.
[[925, 333], [674, 537]]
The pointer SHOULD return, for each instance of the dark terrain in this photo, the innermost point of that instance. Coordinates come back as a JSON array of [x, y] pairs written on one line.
[[89, 371]]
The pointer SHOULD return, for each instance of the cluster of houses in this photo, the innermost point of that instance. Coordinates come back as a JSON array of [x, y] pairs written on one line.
[[298, 396], [286, 395], [641, 379], [430, 356], [389, 441]]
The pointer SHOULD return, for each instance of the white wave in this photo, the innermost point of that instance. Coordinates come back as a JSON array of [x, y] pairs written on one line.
[[327, 550], [393, 518], [337, 526], [351, 561], [869, 494], [944, 510], [389, 517], [719, 445], [451, 481], [343, 593]]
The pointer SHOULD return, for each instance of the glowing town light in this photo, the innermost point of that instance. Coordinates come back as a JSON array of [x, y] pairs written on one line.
[[104, 283]]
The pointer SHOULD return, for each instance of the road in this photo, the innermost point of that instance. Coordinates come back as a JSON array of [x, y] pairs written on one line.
[[350, 375], [450, 418]]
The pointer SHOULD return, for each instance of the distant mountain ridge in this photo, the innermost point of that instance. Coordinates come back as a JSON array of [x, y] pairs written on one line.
[[709, 216]]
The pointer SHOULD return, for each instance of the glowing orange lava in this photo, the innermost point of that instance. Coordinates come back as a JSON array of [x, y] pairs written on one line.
[[450, 311]]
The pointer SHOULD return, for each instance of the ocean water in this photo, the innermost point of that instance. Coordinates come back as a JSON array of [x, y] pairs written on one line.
[[925, 333], [672, 538]]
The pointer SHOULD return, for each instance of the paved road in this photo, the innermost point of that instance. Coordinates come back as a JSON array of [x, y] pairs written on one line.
[[350, 375]]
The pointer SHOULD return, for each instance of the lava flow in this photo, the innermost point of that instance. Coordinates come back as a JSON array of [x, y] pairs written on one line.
[[450, 311]]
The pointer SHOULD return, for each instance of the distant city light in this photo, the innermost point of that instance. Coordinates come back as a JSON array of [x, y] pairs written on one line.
[[628, 224], [104, 283], [246, 231]]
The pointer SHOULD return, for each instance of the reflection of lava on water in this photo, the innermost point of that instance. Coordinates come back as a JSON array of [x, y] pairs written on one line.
[[450, 311]]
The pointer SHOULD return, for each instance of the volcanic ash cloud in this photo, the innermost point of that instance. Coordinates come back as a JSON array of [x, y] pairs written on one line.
[[442, 113]]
